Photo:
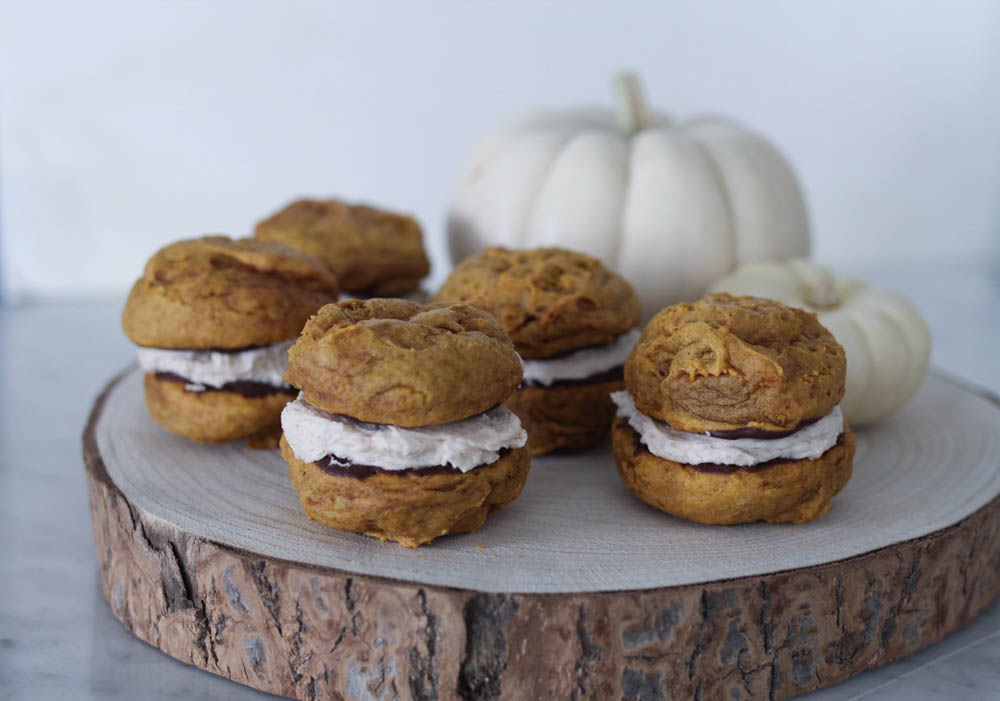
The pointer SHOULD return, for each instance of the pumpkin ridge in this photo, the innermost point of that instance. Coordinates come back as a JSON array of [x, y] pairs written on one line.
[[727, 196], [519, 232], [549, 300]]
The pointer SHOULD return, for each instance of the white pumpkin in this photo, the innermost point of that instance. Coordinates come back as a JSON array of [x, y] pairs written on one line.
[[671, 205], [886, 340]]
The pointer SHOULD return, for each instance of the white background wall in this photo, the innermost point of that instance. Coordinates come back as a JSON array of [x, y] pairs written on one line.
[[124, 125]]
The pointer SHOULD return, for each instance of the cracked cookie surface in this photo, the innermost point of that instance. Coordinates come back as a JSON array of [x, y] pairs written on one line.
[[727, 362], [548, 300], [216, 292], [371, 251], [392, 361]]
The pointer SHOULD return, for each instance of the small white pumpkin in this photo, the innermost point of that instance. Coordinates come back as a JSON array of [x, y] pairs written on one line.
[[886, 340], [671, 205]]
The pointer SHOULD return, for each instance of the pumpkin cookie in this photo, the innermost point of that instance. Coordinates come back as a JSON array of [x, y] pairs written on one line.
[[214, 319], [394, 361], [731, 413], [549, 300], [572, 321], [777, 491], [399, 430], [728, 362], [372, 252]]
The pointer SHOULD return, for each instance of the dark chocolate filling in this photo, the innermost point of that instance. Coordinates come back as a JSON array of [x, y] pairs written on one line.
[[715, 468], [245, 388], [616, 374], [338, 467]]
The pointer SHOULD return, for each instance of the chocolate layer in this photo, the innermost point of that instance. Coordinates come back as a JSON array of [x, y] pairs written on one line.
[[245, 388], [338, 467], [616, 374], [717, 468]]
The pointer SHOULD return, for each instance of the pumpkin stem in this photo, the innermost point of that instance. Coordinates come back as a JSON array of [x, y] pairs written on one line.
[[823, 290], [632, 114]]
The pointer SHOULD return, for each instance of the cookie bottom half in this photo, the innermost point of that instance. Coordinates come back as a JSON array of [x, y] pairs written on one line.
[[794, 491], [215, 416], [565, 417], [407, 508]]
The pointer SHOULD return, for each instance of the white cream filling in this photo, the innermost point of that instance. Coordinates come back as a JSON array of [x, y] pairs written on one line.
[[206, 368], [581, 364], [313, 434], [809, 442]]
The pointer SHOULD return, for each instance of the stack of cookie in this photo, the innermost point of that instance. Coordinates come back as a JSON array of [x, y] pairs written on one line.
[[373, 253], [214, 319], [409, 422], [572, 321], [731, 413], [400, 430]]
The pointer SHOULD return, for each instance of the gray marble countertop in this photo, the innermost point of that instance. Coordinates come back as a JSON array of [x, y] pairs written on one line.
[[58, 638]]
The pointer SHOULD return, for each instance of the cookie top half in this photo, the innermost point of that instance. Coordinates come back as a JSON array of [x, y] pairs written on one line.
[[393, 361], [549, 300], [726, 363], [216, 292], [371, 251]]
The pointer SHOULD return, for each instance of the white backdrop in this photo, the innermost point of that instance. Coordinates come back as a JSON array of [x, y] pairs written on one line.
[[124, 125]]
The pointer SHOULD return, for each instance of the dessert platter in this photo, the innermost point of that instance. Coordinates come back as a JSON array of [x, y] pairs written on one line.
[[576, 587], [517, 490]]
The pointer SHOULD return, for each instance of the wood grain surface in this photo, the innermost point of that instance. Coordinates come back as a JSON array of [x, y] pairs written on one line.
[[247, 605]]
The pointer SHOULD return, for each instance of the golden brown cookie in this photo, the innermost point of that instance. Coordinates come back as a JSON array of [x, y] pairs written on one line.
[[548, 300], [411, 509], [370, 251], [793, 491], [215, 416], [215, 292], [565, 416], [393, 361], [727, 362]]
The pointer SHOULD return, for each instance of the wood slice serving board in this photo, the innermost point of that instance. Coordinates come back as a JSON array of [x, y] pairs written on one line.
[[576, 591]]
